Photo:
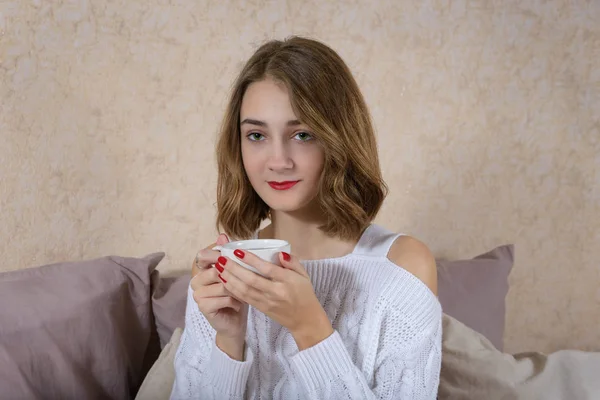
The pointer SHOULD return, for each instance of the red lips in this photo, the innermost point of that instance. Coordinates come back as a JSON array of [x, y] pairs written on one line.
[[282, 185]]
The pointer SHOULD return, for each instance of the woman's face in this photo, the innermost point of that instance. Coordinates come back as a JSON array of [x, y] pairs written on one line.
[[281, 157]]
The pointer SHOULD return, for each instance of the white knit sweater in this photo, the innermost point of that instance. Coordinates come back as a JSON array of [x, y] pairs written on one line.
[[386, 344]]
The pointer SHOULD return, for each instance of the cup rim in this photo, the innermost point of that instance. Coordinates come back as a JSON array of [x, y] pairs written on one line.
[[263, 244]]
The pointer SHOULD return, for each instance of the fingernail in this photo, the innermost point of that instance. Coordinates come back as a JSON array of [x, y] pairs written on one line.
[[219, 268], [238, 253], [286, 256], [222, 260], [223, 279]]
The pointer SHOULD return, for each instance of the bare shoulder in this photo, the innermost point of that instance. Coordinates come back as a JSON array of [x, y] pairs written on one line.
[[415, 257]]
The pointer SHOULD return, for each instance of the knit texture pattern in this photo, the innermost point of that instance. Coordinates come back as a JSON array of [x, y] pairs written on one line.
[[386, 343]]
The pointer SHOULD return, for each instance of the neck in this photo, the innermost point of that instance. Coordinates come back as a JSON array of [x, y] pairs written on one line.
[[301, 230]]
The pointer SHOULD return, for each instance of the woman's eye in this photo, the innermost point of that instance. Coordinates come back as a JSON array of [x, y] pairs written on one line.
[[255, 136], [303, 136]]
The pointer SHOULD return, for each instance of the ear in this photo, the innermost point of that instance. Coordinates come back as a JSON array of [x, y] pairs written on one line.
[[222, 239]]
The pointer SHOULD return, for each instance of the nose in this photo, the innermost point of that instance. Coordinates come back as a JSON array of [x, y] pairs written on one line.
[[279, 158]]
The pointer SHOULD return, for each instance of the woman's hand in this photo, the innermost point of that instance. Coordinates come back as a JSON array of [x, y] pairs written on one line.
[[227, 315], [286, 295]]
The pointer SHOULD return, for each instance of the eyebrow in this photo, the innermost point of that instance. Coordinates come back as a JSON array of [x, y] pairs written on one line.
[[292, 122]]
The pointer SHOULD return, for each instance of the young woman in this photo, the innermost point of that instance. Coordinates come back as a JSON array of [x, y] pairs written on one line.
[[353, 312]]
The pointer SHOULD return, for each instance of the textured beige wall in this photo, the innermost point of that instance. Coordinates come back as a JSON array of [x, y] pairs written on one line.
[[487, 115]]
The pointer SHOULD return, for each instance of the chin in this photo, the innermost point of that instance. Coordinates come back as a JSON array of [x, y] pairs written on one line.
[[284, 206], [277, 203]]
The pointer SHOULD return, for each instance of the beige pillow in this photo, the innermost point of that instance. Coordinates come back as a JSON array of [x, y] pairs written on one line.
[[472, 368], [160, 378]]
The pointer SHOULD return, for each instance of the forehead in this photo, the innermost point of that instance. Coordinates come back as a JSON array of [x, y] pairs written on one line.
[[267, 100]]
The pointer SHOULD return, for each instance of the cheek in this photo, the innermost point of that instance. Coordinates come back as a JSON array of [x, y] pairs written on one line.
[[252, 161], [315, 160], [246, 161]]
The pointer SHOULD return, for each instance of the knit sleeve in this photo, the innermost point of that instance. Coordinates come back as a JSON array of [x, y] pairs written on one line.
[[202, 370], [405, 365]]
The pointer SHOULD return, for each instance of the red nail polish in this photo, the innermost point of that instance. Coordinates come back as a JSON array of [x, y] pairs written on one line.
[[286, 256], [223, 279], [222, 260], [219, 268], [238, 253]]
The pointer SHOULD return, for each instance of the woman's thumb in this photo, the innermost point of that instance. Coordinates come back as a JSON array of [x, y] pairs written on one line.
[[290, 262]]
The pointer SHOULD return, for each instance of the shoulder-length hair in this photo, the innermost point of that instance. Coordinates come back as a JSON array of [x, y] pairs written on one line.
[[325, 97]]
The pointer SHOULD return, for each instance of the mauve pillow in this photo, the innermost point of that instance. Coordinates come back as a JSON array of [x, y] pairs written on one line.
[[77, 330], [169, 298], [474, 291]]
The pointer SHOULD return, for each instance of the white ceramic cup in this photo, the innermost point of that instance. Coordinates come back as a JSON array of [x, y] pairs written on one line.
[[267, 249]]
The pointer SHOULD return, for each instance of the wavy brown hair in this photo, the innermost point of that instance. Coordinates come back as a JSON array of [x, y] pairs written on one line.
[[325, 97]]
